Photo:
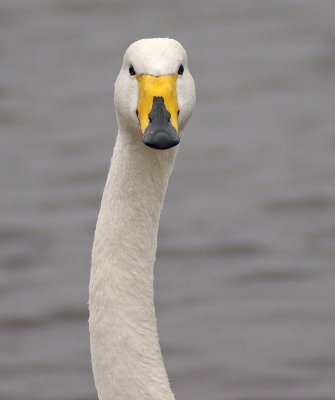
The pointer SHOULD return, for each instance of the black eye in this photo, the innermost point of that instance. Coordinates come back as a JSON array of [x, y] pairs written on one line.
[[131, 70], [181, 69]]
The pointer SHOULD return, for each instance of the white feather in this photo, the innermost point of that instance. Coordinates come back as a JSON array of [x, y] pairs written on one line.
[[126, 357]]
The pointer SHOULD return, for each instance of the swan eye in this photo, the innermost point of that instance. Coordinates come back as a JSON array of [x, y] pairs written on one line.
[[131, 70], [181, 69]]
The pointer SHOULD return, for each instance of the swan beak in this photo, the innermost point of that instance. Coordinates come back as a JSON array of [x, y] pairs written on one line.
[[158, 110]]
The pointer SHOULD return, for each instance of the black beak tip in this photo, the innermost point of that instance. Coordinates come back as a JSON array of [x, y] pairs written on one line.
[[161, 140], [160, 134]]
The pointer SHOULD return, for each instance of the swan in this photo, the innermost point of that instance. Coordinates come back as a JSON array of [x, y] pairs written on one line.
[[154, 98]]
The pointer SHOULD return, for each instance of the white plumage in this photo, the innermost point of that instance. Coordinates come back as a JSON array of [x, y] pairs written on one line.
[[126, 356]]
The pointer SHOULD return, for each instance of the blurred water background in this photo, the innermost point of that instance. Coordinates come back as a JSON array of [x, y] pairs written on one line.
[[245, 277]]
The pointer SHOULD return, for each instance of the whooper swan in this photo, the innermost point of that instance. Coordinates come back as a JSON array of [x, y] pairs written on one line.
[[154, 98]]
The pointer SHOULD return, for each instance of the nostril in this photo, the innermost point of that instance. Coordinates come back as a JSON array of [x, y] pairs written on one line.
[[150, 119], [178, 112], [137, 113]]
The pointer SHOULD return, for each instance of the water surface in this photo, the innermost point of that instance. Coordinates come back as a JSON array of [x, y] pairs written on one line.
[[245, 279]]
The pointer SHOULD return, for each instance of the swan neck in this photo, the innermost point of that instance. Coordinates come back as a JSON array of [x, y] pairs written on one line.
[[126, 356]]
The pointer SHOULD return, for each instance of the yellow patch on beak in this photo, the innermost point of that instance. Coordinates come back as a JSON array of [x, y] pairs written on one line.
[[161, 86]]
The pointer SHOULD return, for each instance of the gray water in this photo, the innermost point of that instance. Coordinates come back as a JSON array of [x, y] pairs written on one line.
[[245, 277]]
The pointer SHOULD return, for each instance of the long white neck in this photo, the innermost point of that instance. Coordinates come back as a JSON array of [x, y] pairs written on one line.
[[126, 356]]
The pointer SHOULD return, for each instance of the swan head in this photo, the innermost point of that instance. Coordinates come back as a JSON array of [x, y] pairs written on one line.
[[154, 92]]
